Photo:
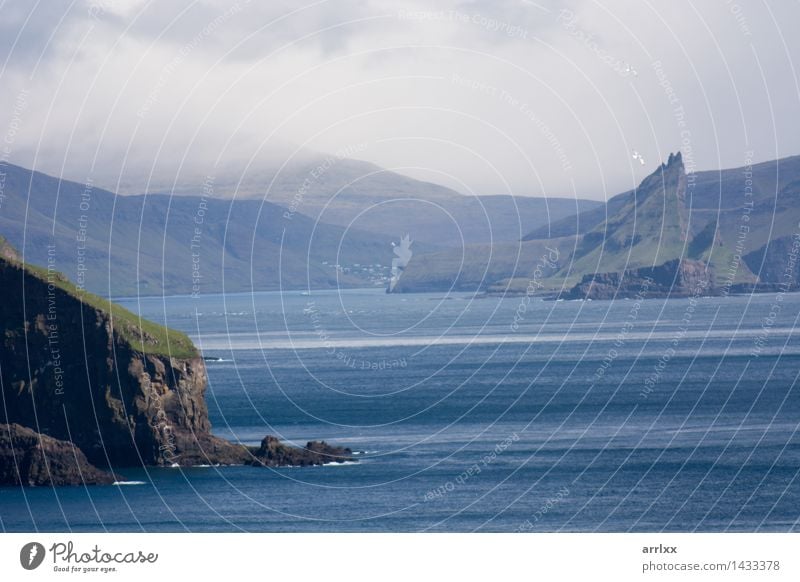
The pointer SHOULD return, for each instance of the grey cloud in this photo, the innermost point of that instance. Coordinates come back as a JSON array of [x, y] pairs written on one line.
[[29, 31], [497, 91]]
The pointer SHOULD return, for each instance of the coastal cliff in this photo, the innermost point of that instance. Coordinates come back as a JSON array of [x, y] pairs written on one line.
[[124, 391], [777, 262], [676, 278], [29, 458], [80, 369]]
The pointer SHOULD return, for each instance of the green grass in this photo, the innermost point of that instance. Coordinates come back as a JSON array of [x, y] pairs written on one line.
[[140, 334]]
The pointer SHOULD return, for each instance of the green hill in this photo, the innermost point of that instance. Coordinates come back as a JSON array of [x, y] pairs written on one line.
[[725, 219], [140, 335], [648, 230]]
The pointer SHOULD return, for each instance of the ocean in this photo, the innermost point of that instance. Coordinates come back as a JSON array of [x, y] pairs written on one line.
[[474, 414]]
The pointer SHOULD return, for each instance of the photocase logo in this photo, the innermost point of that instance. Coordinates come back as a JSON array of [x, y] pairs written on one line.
[[404, 253], [31, 555]]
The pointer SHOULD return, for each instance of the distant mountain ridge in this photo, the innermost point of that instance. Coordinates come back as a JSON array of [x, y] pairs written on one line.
[[736, 222], [128, 245], [155, 243], [334, 228], [713, 191], [357, 194]]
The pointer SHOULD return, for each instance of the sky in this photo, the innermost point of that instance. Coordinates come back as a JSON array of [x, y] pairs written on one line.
[[488, 96]]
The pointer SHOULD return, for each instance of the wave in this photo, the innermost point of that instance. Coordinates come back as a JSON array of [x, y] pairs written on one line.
[[318, 466], [252, 341], [120, 483]]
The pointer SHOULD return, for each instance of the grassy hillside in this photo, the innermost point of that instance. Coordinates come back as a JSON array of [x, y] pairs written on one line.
[[670, 215], [648, 230], [715, 195], [140, 334], [126, 245], [497, 268], [6, 250]]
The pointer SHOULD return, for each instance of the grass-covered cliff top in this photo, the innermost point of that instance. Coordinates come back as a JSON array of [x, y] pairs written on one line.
[[140, 334], [6, 250]]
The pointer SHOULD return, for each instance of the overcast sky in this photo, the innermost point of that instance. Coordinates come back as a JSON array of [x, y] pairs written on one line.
[[488, 96]]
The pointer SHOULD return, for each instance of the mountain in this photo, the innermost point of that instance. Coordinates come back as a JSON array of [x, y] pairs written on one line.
[[725, 219], [713, 192], [648, 230], [738, 222], [353, 193], [151, 244]]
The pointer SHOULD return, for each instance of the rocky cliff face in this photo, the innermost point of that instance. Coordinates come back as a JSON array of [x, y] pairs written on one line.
[[70, 370], [29, 458], [83, 377], [649, 229], [777, 262], [676, 278]]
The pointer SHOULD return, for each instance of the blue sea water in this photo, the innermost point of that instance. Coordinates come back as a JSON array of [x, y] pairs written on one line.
[[475, 414]]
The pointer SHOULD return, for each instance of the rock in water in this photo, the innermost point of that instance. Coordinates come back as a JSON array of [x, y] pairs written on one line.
[[30, 458], [274, 453]]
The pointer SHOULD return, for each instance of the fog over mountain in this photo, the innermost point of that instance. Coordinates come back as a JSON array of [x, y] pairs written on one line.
[[355, 194], [470, 126], [501, 97]]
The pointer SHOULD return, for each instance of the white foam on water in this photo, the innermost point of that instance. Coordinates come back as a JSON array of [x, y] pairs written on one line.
[[120, 483], [251, 341]]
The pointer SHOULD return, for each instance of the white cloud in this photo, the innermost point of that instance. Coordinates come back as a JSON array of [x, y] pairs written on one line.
[[487, 96]]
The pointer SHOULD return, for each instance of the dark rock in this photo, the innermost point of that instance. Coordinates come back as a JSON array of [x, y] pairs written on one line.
[[207, 449], [676, 278], [70, 368], [777, 262], [274, 453], [30, 458], [124, 392]]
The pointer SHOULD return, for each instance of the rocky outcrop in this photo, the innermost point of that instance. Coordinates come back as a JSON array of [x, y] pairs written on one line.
[[777, 263], [126, 392], [274, 453], [30, 458], [72, 367], [676, 278]]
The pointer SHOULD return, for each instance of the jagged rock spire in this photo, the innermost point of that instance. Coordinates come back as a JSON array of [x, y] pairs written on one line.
[[675, 158]]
